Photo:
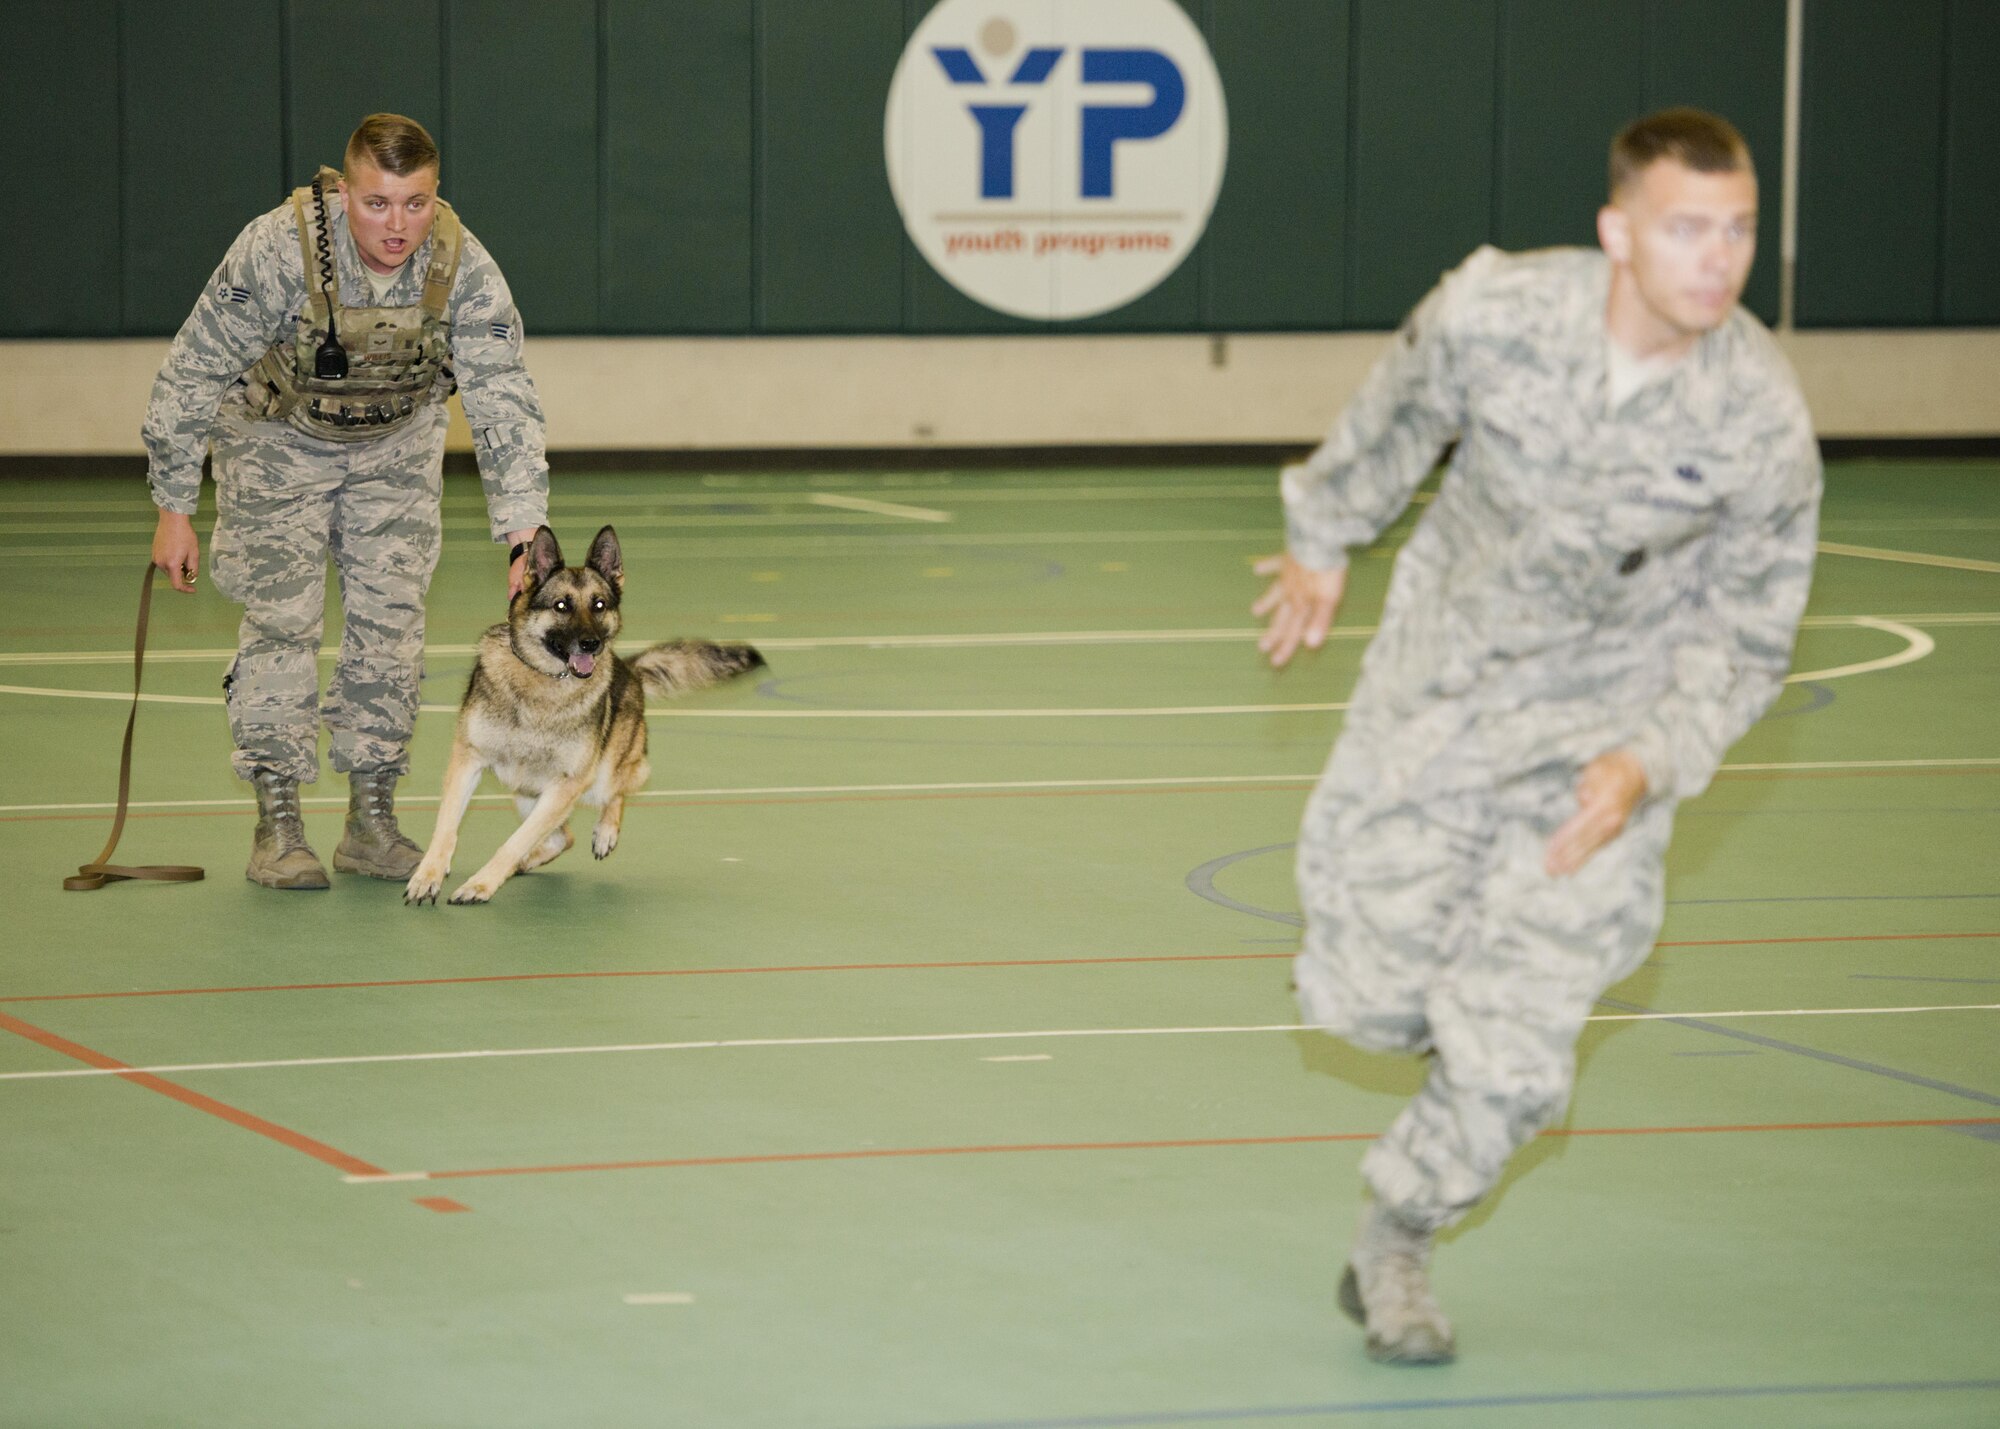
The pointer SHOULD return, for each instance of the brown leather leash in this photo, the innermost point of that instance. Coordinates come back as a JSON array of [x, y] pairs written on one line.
[[97, 872]]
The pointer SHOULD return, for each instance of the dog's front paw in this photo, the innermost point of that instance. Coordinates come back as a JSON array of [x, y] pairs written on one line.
[[474, 890], [424, 883], [603, 840]]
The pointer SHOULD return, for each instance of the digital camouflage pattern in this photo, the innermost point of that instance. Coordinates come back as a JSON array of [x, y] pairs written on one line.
[[1586, 580], [375, 507], [285, 499]]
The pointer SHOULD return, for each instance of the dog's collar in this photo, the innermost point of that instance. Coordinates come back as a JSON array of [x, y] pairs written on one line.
[[514, 644]]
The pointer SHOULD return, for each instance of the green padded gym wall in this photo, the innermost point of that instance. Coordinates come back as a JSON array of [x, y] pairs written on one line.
[[678, 204], [60, 170], [715, 166], [1870, 170], [198, 160], [521, 147]]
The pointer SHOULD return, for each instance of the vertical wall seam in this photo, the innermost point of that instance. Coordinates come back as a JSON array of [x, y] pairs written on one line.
[[287, 159], [599, 307], [119, 66], [1647, 88], [1496, 168], [1940, 288], [906, 307], [444, 75], [759, 218], [1793, 165], [1353, 144], [1204, 314]]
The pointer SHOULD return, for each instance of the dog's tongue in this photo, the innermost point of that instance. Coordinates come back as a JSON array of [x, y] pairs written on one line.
[[582, 663]]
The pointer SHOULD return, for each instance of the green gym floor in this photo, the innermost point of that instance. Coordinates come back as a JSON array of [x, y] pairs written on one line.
[[923, 1055]]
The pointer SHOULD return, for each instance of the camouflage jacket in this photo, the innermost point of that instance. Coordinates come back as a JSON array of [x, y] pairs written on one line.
[[254, 299], [1586, 580]]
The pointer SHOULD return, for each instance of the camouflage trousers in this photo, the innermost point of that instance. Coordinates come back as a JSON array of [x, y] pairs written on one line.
[[1432, 927], [284, 502]]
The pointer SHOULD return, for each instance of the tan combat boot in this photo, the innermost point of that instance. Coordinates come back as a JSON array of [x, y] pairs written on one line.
[[372, 843], [1387, 1291], [280, 856]]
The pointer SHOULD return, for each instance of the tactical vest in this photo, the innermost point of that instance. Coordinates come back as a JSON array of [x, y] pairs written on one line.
[[396, 357]]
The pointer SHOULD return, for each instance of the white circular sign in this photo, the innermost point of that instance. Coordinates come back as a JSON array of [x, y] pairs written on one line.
[[1055, 160]]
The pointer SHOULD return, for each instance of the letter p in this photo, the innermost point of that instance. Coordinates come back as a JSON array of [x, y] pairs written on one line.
[[1105, 124]]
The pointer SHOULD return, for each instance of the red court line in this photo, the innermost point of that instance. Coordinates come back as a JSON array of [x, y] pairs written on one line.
[[1853, 773], [944, 966], [656, 972], [670, 802], [444, 1204], [907, 1152], [318, 1150]]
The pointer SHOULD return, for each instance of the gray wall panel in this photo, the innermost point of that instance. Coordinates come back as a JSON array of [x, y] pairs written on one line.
[[1571, 76], [1271, 256], [1969, 287], [59, 241], [1422, 148], [521, 109], [1871, 163], [327, 93], [830, 244], [679, 184], [207, 68]]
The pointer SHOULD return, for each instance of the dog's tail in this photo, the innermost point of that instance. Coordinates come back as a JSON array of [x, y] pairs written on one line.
[[679, 666]]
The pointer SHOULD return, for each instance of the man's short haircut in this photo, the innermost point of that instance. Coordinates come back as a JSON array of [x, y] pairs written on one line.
[[1704, 142], [394, 143]]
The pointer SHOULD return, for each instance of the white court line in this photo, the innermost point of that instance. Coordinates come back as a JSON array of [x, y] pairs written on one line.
[[735, 548], [902, 1039], [937, 642], [1113, 713], [662, 796], [1917, 646], [780, 642], [660, 1297], [877, 508], [586, 509], [502, 801], [1910, 558]]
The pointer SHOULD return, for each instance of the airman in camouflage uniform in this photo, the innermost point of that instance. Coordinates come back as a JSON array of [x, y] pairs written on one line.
[[1602, 598], [302, 471]]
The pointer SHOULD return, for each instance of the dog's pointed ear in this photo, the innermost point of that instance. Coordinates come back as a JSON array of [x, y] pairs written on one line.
[[544, 555], [606, 559]]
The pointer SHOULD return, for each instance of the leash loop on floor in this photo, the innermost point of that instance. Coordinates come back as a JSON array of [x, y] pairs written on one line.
[[98, 871]]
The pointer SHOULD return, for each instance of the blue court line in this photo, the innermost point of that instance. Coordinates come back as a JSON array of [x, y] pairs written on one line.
[[1898, 977], [1839, 898], [1852, 1063], [1201, 883], [1487, 1401], [1822, 696]]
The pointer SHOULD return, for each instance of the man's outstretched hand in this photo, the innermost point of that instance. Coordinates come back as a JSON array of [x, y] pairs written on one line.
[[1301, 603], [1609, 790]]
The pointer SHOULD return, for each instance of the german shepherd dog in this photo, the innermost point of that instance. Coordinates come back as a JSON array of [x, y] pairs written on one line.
[[557, 717]]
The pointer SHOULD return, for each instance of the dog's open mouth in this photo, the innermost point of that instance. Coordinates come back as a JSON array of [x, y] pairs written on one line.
[[581, 663]]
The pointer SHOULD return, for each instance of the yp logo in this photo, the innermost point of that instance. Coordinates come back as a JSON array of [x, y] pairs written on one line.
[[1055, 158]]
